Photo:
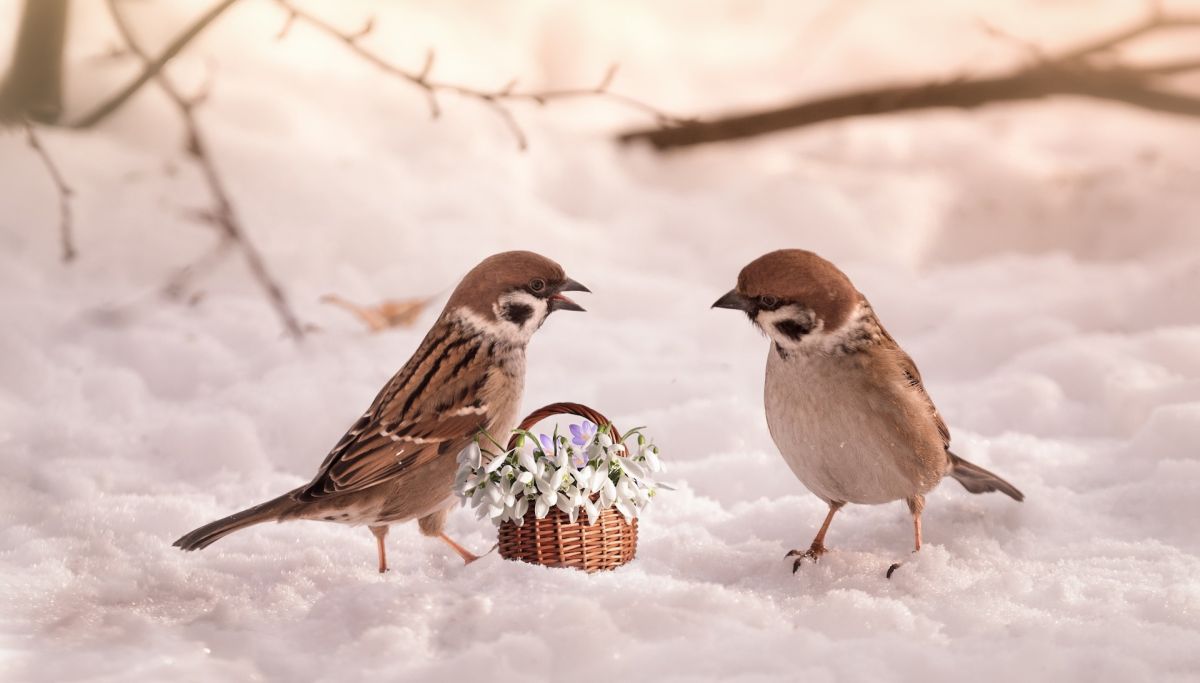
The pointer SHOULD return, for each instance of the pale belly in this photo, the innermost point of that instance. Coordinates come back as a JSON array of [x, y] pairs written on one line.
[[835, 440]]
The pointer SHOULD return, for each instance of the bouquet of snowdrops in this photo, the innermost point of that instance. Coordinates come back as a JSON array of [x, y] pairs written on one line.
[[587, 473]]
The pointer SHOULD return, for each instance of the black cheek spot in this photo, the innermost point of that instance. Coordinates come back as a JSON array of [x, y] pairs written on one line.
[[793, 329], [517, 314]]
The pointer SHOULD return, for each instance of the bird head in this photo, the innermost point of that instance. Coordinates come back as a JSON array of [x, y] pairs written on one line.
[[794, 296], [510, 294]]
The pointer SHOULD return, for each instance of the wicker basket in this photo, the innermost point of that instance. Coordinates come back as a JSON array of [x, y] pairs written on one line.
[[554, 541]]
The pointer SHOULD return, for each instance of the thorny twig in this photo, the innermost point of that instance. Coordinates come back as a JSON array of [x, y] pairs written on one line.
[[222, 213], [65, 226], [495, 99], [1076, 71]]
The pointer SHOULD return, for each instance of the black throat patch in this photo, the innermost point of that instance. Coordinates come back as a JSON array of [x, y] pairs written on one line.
[[517, 314]]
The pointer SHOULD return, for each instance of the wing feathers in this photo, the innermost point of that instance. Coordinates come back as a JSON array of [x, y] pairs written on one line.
[[435, 401]]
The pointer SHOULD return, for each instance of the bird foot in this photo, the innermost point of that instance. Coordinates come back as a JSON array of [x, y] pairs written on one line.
[[896, 565], [813, 553]]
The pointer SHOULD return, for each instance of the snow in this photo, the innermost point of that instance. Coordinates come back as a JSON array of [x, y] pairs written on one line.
[[1040, 262]]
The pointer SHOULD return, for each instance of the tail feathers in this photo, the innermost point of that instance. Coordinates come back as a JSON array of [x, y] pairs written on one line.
[[978, 480], [270, 511]]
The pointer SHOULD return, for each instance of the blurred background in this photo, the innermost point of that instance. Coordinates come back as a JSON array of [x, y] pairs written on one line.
[[185, 184]]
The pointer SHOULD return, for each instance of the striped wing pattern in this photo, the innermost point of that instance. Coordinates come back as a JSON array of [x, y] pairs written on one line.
[[431, 408]]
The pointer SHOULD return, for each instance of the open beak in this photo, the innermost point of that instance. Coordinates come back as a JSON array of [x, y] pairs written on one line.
[[735, 301], [558, 302]]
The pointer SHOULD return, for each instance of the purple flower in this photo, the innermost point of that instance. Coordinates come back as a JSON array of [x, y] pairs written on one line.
[[579, 459], [582, 433], [547, 444]]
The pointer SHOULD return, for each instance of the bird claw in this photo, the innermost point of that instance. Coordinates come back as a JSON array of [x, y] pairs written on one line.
[[893, 568], [814, 553]]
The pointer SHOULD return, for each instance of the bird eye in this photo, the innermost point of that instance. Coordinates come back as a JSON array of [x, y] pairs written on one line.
[[767, 301], [537, 284]]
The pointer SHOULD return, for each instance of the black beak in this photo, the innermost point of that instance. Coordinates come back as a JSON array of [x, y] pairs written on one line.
[[558, 302], [735, 301]]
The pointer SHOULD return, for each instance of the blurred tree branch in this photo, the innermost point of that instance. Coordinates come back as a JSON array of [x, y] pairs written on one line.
[[1077, 71], [32, 90], [495, 99], [151, 67], [32, 93], [64, 192], [222, 213]]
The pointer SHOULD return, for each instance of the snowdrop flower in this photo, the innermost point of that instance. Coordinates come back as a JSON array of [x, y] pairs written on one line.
[[561, 458], [471, 456], [496, 462], [519, 511], [593, 512], [509, 485], [634, 469], [598, 478], [526, 460], [583, 478], [582, 433], [608, 493], [649, 453], [570, 501]]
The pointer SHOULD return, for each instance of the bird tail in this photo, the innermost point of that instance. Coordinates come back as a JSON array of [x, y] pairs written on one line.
[[978, 480], [270, 511]]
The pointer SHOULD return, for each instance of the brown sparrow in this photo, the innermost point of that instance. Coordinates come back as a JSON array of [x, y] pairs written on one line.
[[845, 404], [398, 460]]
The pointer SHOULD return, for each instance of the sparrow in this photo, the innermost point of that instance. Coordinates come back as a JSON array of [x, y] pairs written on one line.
[[397, 461], [845, 404]]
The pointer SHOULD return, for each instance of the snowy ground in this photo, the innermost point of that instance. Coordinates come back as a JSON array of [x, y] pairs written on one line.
[[1041, 263]]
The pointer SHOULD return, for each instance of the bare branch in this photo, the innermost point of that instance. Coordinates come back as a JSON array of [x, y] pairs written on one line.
[[287, 26], [497, 100], [179, 281], [151, 67], [222, 213], [65, 228], [1072, 73], [1035, 52]]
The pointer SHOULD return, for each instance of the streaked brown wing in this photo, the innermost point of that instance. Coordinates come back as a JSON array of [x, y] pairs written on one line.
[[913, 376], [430, 409]]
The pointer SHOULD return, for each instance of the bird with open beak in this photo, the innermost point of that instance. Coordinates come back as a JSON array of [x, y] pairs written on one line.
[[397, 461], [845, 404]]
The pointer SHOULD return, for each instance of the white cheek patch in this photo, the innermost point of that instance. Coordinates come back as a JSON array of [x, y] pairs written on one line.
[[517, 330], [767, 321]]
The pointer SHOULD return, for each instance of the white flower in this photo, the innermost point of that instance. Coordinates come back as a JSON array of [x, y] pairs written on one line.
[[526, 460], [598, 478], [634, 468], [506, 486], [583, 477], [470, 455], [608, 493], [496, 462], [593, 512], [650, 455]]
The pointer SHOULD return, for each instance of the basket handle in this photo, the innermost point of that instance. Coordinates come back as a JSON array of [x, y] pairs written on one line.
[[564, 408]]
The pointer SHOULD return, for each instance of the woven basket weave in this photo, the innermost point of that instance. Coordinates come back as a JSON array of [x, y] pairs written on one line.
[[554, 541]]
